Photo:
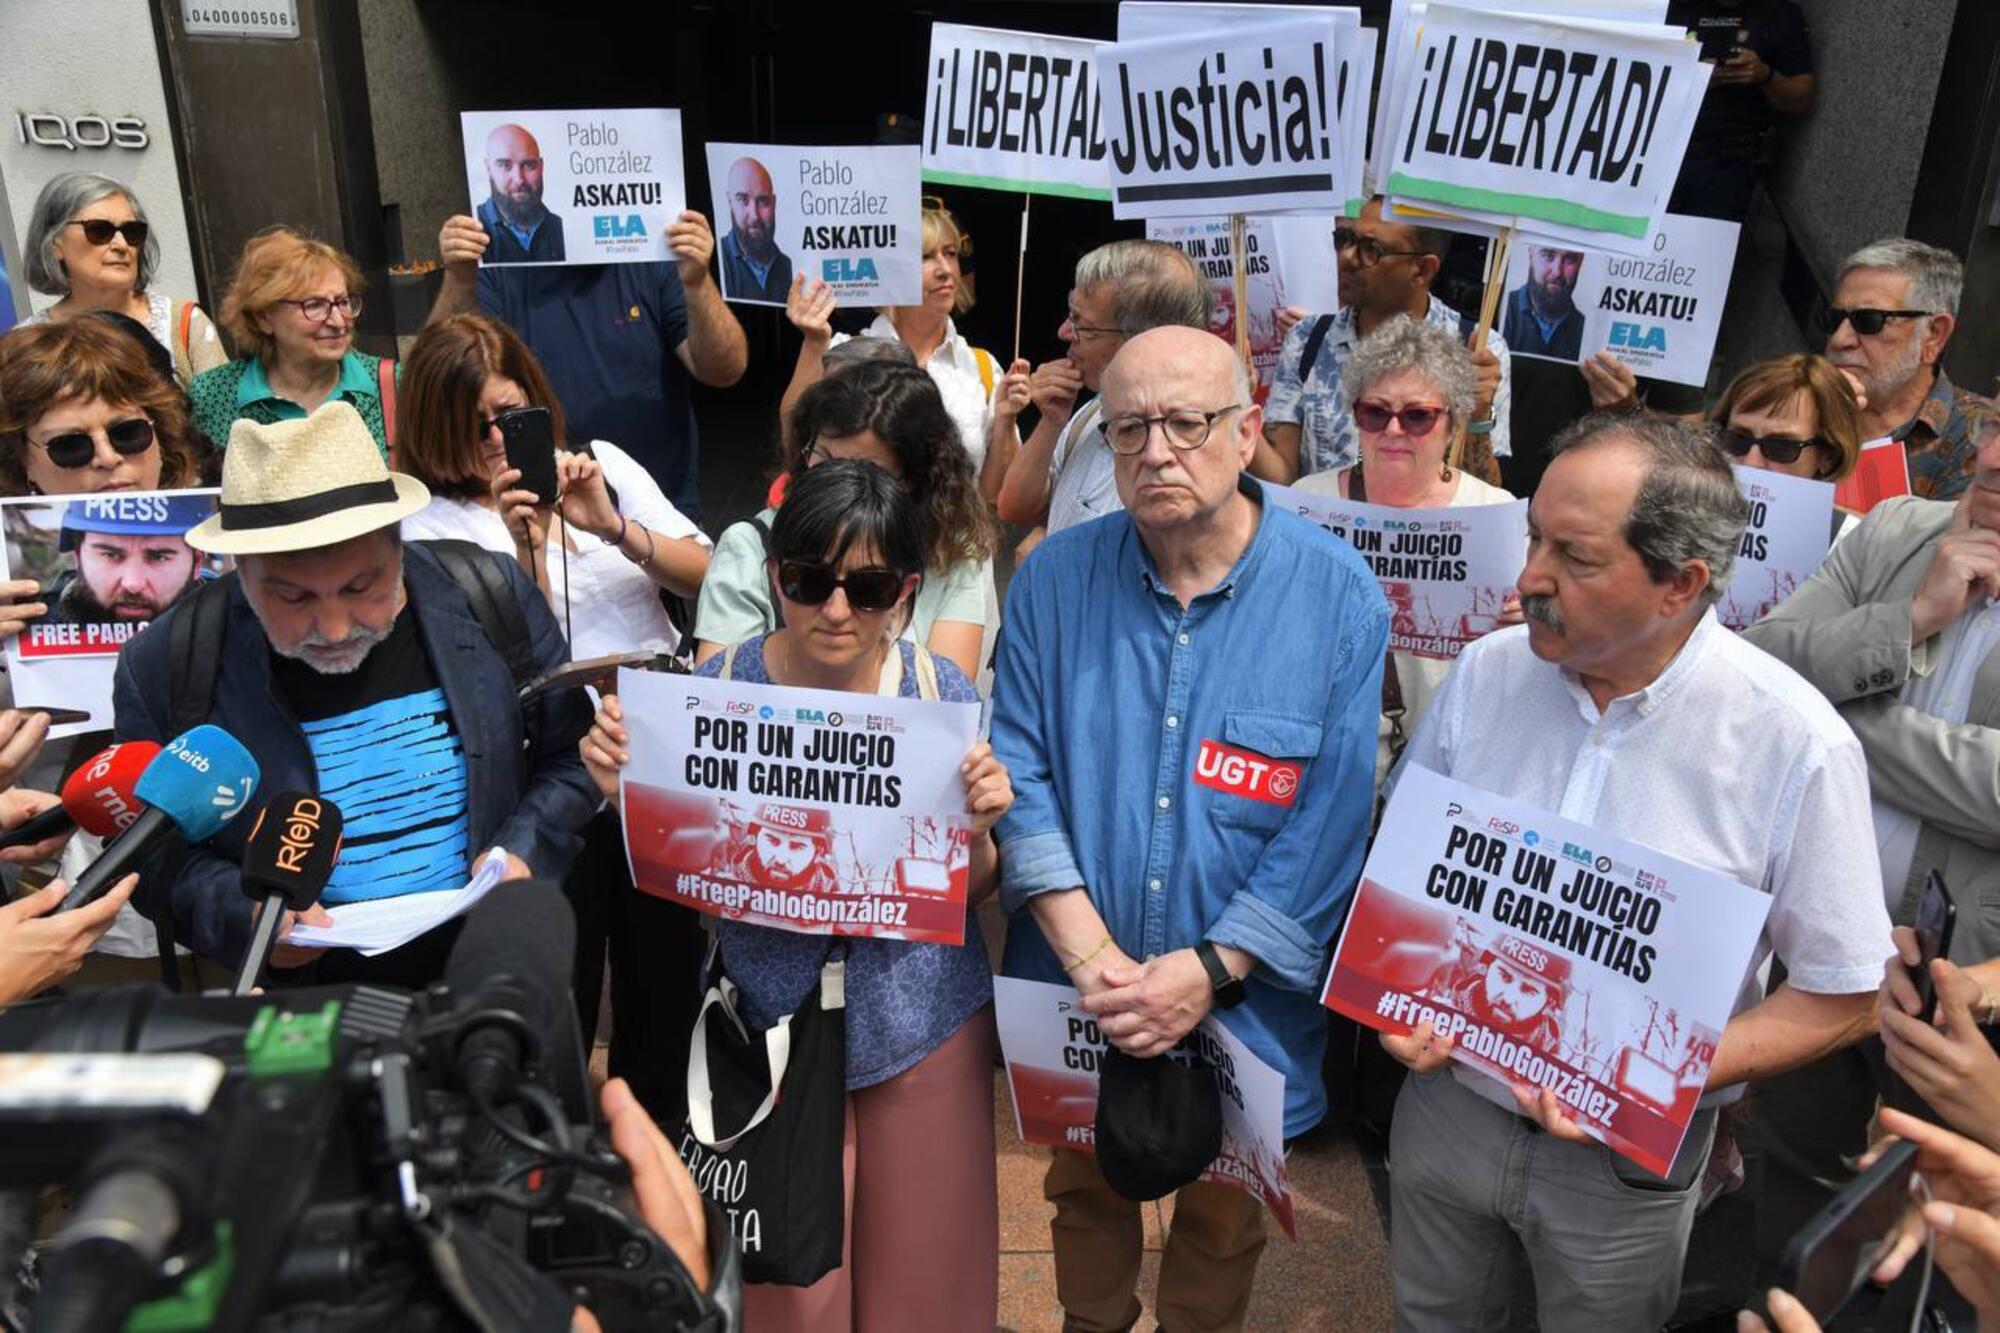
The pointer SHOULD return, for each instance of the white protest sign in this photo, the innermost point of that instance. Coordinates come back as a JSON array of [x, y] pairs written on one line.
[[806, 810], [849, 217], [1573, 128], [575, 187], [1053, 1047], [1308, 268], [1014, 111], [1406, 20], [1554, 954], [1791, 528], [107, 564], [1658, 312], [1237, 121], [1445, 572], [1205, 241], [1143, 20]]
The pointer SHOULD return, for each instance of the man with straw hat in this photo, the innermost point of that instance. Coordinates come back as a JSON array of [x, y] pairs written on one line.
[[366, 670]]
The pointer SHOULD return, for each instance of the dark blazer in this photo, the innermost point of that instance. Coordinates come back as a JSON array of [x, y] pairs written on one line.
[[536, 811], [1524, 334], [740, 280], [507, 248]]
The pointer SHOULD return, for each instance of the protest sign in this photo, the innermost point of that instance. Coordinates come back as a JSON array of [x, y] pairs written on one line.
[[1791, 527], [1053, 1047], [1143, 20], [1554, 954], [1014, 111], [1308, 268], [1205, 241], [850, 217], [575, 187], [1569, 127], [1658, 312], [1445, 572], [1235, 121], [107, 565], [807, 810], [1884, 471]]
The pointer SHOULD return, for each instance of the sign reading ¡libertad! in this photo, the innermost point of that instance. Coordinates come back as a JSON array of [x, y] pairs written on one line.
[[1013, 111]]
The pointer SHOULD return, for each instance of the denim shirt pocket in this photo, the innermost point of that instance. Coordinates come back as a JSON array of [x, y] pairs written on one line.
[[1260, 802]]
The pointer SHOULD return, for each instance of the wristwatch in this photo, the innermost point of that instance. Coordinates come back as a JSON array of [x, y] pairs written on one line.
[[1227, 986]]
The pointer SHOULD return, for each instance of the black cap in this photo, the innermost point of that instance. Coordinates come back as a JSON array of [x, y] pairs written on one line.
[[1159, 1123]]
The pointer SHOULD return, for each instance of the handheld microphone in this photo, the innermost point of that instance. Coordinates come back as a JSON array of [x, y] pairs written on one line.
[[287, 860], [193, 787], [512, 965], [98, 797]]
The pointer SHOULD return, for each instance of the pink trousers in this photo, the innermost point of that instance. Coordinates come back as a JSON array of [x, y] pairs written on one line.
[[923, 1209]]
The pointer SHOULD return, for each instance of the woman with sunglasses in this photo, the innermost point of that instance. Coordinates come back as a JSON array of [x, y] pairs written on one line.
[[892, 416], [1413, 389], [847, 555], [88, 242], [292, 310], [1794, 414], [965, 375]]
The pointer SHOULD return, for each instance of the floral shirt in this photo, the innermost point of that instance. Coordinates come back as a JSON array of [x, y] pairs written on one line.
[[1943, 438]]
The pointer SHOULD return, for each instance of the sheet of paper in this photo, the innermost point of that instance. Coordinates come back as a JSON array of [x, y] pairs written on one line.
[[381, 924]]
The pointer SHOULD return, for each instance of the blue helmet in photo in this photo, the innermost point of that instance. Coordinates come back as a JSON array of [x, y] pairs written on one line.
[[142, 514]]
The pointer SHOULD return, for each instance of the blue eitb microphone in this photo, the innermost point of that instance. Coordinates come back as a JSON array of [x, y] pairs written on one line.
[[201, 781]]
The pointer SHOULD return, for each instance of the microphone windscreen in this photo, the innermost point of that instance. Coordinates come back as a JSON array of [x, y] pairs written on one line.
[[201, 781], [292, 849], [518, 947], [102, 796]]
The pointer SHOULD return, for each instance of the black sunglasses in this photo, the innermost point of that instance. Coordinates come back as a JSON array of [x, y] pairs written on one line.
[[74, 449], [1739, 443], [811, 582], [1867, 322], [99, 232]]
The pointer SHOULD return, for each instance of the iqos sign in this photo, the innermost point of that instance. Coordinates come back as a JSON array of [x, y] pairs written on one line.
[[47, 129]]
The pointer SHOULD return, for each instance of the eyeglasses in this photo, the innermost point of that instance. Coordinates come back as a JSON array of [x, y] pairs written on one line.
[[1368, 251], [74, 449], [1083, 330], [99, 232], [811, 582], [487, 424], [1739, 444], [1186, 429], [1867, 322], [1374, 417], [319, 309]]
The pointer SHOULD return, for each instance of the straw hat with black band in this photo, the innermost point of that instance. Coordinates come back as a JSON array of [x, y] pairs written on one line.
[[302, 484]]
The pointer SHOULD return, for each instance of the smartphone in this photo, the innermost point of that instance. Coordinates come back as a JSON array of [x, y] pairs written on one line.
[[531, 446], [1936, 915], [59, 717], [600, 673], [1829, 1258]]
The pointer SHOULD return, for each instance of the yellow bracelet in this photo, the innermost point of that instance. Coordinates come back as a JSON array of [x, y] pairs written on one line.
[[1102, 945]]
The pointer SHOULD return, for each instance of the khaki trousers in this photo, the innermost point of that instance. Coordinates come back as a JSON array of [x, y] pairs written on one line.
[[1207, 1270]]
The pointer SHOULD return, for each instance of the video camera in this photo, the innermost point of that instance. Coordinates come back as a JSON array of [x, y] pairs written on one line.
[[341, 1157]]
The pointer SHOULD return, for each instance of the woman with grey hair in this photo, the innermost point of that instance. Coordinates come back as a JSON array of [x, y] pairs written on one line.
[[1412, 387], [89, 243]]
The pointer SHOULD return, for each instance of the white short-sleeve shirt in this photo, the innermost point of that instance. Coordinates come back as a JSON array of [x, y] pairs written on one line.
[[954, 366]]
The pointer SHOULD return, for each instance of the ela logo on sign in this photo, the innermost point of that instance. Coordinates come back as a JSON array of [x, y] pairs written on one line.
[[1241, 773]]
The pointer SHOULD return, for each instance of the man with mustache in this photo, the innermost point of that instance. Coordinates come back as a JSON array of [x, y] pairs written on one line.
[[356, 666], [131, 560], [1625, 705], [1542, 318], [522, 228], [1894, 309], [753, 267]]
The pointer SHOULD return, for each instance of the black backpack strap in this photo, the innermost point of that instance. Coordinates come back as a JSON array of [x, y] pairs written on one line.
[[194, 660], [770, 588], [1314, 341], [477, 573]]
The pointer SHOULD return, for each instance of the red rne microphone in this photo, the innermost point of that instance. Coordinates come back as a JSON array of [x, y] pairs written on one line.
[[98, 798]]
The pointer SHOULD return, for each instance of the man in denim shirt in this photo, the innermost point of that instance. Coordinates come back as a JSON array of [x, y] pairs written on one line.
[[1188, 823]]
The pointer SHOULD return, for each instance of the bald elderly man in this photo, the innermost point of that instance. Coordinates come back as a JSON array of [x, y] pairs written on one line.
[[1176, 800], [753, 268], [523, 230]]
